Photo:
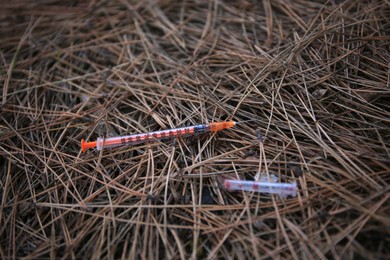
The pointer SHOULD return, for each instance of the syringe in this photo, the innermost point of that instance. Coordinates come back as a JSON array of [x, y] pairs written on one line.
[[283, 189], [110, 142]]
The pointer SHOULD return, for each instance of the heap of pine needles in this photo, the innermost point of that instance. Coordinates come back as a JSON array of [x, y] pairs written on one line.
[[312, 75]]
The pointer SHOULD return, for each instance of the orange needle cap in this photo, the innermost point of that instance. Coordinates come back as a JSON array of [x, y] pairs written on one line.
[[218, 126]]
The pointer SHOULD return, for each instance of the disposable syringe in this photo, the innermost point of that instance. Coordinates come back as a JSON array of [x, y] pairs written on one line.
[[110, 142], [283, 189]]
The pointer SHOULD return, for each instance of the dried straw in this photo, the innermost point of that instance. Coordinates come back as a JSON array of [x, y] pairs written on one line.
[[313, 75]]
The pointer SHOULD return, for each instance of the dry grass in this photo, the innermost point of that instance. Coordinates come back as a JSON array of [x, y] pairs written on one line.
[[314, 76]]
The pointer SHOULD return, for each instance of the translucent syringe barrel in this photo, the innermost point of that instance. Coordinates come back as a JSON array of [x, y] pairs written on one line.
[[149, 137], [283, 189]]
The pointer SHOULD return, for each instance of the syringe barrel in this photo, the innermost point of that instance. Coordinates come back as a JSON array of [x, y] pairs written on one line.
[[283, 189], [111, 142]]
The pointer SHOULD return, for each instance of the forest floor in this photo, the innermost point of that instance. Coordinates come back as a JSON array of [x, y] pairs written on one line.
[[311, 78]]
